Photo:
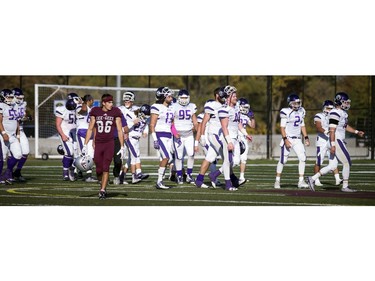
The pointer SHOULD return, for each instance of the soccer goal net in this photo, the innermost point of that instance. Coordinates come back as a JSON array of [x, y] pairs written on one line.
[[48, 97]]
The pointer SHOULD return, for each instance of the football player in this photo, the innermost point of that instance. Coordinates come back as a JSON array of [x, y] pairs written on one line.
[[247, 120], [106, 119], [25, 146], [184, 122], [83, 120], [137, 118], [211, 118], [66, 126], [9, 127], [229, 116], [291, 125], [160, 126], [338, 125], [206, 143], [322, 141]]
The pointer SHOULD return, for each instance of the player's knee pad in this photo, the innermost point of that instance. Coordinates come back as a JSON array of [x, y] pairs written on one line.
[[302, 157], [211, 156]]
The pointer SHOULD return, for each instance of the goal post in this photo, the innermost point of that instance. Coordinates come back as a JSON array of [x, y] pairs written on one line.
[[48, 96]]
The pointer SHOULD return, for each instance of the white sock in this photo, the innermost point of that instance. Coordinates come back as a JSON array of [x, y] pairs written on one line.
[[300, 179], [345, 183], [161, 173], [316, 176], [278, 179], [242, 175]]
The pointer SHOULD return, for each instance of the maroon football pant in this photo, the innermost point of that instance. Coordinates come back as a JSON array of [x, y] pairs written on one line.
[[103, 155]]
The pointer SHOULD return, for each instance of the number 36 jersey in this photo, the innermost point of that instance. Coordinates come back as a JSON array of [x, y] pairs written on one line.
[[292, 121]]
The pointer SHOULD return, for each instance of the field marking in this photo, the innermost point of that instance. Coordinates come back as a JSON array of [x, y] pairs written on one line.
[[150, 190], [178, 200]]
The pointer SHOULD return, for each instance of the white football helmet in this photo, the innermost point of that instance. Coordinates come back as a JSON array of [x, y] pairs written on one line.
[[294, 102], [327, 106], [244, 106], [230, 90], [18, 95], [83, 163], [128, 96], [183, 97], [7, 97]]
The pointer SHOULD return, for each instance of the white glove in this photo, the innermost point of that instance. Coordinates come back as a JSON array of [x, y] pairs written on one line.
[[121, 152], [84, 150], [203, 140]]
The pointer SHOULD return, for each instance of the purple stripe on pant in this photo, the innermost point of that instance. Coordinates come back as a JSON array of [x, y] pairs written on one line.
[[343, 148]]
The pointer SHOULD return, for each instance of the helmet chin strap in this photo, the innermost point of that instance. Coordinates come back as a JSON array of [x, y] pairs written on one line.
[[229, 99]]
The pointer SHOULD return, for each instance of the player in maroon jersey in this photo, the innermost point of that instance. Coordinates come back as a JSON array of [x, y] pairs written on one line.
[[105, 120]]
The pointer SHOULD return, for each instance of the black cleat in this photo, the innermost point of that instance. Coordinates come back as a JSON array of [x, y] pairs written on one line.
[[102, 194]]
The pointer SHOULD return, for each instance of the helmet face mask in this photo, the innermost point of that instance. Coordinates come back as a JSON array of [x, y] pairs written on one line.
[[144, 112], [327, 106], [244, 106], [74, 97], [162, 93], [8, 97], [84, 163], [222, 95], [294, 102], [70, 104], [342, 99], [183, 97], [60, 149], [128, 98], [230, 90], [18, 95]]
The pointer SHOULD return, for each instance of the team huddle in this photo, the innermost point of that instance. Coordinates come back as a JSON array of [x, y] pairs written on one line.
[[95, 136]]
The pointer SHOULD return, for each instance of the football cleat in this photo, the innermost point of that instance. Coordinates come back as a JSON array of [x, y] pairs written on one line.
[[71, 174], [20, 179], [234, 180], [135, 180], [160, 185], [311, 183], [338, 182], [231, 188], [91, 179], [241, 181], [102, 194], [180, 180], [116, 181], [303, 184], [189, 179], [213, 177], [348, 189], [318, 183], [200, 184], [172, 177], [142, 176], [277, 185]]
